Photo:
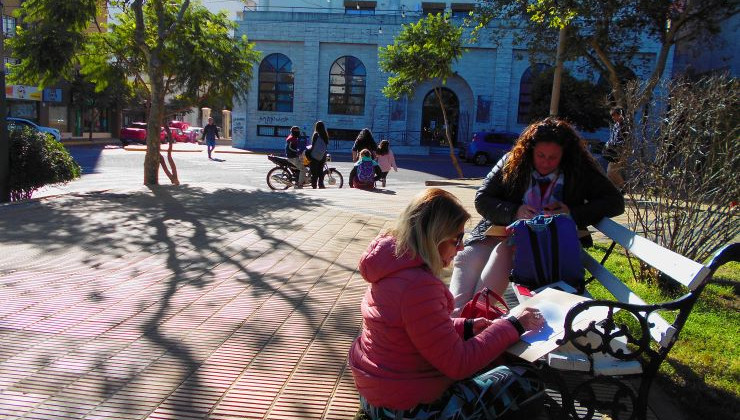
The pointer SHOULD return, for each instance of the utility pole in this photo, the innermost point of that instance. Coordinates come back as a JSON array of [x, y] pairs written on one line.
[[4, 138]]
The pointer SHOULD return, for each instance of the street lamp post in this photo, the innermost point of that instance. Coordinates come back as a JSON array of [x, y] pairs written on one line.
[[4, 140]]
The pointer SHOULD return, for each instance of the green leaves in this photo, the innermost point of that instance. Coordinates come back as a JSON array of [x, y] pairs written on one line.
[[53, 31], [608, 34], [36, 160], [424, 50], [549, 12]]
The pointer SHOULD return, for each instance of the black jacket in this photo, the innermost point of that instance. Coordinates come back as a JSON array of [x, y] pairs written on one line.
[[589, 195]]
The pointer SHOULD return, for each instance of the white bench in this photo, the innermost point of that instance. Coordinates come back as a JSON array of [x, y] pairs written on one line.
[[610, 351]]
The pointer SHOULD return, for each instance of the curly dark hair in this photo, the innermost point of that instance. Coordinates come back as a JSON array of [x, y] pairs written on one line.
[[520, 162]]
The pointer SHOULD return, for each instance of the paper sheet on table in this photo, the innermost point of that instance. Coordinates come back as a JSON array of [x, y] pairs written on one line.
[[554, 305]]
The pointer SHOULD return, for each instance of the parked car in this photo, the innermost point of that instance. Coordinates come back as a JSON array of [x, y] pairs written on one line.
[[193, 133], [136, 133], [178, 136], [18, 124], [182, 125], [487, 146]]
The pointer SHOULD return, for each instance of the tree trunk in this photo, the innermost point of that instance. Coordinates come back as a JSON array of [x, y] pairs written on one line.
[[154, 121], [94, 114], [455, 163], [557, 76]]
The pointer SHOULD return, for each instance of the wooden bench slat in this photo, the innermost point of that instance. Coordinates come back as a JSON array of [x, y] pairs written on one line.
[[683, 270], [662, 331]]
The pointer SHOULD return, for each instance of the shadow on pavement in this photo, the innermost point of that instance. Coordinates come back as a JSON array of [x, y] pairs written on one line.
[[180, 239]]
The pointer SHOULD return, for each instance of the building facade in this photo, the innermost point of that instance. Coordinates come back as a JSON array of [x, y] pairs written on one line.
[[321, 63], [717, 54]]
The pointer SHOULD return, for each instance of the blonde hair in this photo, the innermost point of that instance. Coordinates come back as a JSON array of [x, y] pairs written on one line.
[[366, 153], [432, 216]]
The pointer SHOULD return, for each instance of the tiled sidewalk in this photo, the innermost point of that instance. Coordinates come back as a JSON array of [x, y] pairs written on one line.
[[180, 303], [185, 303]]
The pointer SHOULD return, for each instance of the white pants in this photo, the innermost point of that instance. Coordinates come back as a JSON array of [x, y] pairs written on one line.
[[614, 173], [298, 162], [485, 263]]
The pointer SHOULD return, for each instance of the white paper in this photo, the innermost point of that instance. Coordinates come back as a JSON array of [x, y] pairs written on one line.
[[554, 305], [554, 323]]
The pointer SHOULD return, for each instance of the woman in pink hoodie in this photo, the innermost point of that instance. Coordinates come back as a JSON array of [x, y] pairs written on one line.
[[385, 159], [412, 360]]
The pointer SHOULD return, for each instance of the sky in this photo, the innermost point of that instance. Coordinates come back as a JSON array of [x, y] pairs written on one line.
[[232, 6]]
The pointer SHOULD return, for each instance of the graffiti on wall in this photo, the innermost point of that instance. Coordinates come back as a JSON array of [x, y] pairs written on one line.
[[238, 128], [273, 120]]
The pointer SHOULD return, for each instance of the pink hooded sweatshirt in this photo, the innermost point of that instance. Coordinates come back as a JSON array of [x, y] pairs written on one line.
[[410, 350]]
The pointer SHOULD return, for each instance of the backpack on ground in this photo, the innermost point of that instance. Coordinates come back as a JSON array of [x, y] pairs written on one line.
[[366, 172], [547, 250]]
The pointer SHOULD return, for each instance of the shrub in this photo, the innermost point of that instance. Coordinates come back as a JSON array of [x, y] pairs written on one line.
[[36, 160], [683, 165]]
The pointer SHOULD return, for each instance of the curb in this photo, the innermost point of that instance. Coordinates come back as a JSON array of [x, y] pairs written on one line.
[[84, 142], [453, 182]]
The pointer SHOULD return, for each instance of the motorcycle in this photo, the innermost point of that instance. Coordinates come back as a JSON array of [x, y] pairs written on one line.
[[285, 175]]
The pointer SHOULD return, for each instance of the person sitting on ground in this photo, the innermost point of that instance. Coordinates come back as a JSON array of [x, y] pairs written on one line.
[[294, 148], [365, 171], [386, 160], [412, 360], [548, 171], [364, 140]]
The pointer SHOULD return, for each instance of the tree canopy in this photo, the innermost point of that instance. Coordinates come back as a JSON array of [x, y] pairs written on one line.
[[423, 51], [167, 48], [608, 34]]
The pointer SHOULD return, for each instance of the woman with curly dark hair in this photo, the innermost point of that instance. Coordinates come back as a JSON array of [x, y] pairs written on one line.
[[548, 171]]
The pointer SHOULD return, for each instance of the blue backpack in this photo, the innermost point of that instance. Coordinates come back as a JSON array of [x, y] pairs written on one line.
[[366, 172], [547, 250]]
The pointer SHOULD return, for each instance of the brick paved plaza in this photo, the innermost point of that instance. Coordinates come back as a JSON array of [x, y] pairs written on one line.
[[185, 302]]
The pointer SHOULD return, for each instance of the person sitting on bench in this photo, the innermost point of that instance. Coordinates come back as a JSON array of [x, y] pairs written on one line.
[[548, 171]]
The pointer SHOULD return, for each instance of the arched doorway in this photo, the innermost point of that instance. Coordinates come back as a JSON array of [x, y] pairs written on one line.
[[432, 120]]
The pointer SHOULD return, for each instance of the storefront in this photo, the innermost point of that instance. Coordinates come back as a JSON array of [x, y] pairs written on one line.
[[44, 107]]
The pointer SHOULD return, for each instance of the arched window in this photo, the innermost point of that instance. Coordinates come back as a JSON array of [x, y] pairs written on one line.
[[347, 79], [525, 91], [276, 84]]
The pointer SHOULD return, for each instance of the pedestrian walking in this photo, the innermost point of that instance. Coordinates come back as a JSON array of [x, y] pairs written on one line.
[[210, 134]]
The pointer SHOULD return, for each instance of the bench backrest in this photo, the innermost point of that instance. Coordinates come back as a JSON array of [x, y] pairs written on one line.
[[687, 272]]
